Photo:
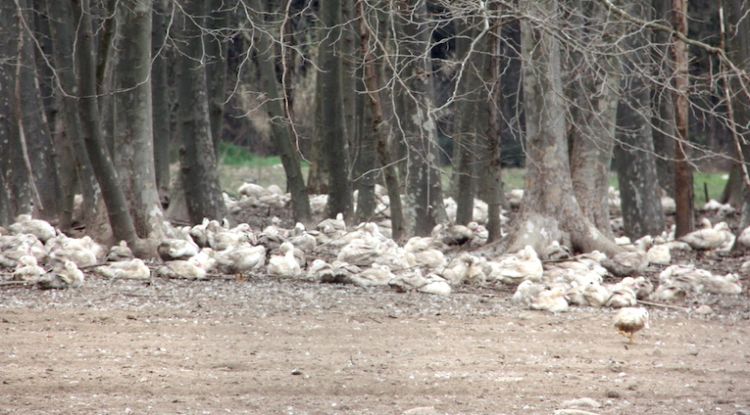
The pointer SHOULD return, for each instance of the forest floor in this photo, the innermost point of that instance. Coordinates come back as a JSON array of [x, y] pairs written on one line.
[[269, 346]]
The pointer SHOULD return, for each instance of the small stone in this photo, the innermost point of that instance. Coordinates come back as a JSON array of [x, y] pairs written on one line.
[[613, 394], [296, 372], [581, 403], [704, 310], [744, 411], [421, 410]]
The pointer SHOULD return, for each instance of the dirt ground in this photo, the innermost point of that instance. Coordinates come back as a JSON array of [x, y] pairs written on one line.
[[281, 347]]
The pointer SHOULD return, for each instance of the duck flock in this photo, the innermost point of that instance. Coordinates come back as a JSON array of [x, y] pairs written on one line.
[[35, 253]]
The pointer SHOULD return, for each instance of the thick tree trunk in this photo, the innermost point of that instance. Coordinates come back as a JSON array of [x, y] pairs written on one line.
[[379, 126], [78, 168], [366, 173], [104, 169], [15, 169], [549, 204], [160, 99], [216, 68], [424, 196], [684, 219], [107, 56], [133, 133], [661, 101], [739, 51], [465, 136], [37, 146], [200, 176], [280, 133], [634, 155], [332, 113], [591, 132]]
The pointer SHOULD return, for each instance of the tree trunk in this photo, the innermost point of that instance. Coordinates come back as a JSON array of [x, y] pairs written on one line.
[[465, 136], [494, 105], [739, 51], [216, 68], [684, 219], [317, 176], [424, 198], [634, 155], [15, 170], [280, 133], [62, 28], [104, 169], [593, 90], [200, 176], [133, 132], [332, 115], [160, 99], [37, 146], [107, 56], [549, 203], [379, 126], [365, 173], [661, 103]]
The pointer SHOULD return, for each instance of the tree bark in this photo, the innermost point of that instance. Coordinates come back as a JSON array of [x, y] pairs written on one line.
[[15, 169], [465, 136], [379, 126], [216, 68], [661, 102], [593, 91], [198, 165], [133, 134], [549, 204], [424, 196], [332, 113], [62, 28], [634, 155], [684, 219], [738, 46], [280, 133], [96, 148], [160, 99], [38, 148], [493, 71]]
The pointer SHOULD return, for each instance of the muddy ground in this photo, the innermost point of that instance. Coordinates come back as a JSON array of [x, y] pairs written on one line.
[[279, 347]]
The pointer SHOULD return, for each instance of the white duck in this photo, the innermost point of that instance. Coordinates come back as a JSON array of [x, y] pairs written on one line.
[[13, 247], [241, 258], [83, 251], [718, 237], [302, 239], [182, 269], [630, 320], [175, 249], [119, 252], [527, 292], [464, 268], [67, 276], [28, 269], [622, 296], [133, 269], [596, 295], [523, 265], [222, 239], [284, 265], [41, 229], [377, 275], [552, 300]]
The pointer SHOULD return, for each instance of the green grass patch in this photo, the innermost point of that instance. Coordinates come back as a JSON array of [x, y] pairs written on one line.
[[234, 155], [715, 182]]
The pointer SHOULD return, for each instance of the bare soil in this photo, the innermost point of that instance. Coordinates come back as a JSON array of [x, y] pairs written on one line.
[[281, 347]]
